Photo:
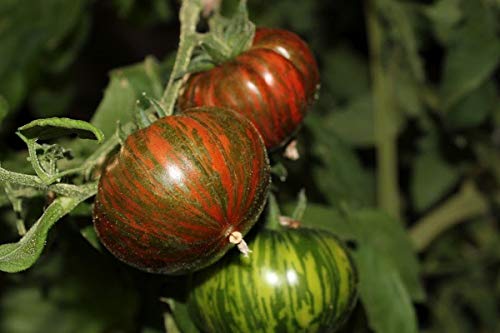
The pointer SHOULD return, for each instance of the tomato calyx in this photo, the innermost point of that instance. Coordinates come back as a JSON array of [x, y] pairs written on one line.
[[226, 39], [277, 222]]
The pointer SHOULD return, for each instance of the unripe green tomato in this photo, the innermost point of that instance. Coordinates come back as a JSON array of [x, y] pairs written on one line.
[[295, 280]]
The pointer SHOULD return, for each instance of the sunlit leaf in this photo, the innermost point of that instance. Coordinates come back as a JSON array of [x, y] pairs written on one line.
[[15, 257], [49, 128], [125, 87]]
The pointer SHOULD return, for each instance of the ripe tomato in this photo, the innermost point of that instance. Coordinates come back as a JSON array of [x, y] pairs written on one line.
[[178, 189], [272, 84], [295, 280]]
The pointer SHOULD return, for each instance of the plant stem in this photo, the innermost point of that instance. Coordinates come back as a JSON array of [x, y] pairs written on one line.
[[189, 14], [385, 123], [467, 203], [35, 181]]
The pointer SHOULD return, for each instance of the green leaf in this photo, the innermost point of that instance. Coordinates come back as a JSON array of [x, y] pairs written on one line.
[[126, 86], [383, 294], [345, 75], [50, 128], [300, 208], [318, 216], [16, 257], [473, 53], [431, 178], [88, 232], [401, 29], [32, 35], [444, 15], [354, 122], [340, 176], [389, 239], [181, 316], [474, 109]]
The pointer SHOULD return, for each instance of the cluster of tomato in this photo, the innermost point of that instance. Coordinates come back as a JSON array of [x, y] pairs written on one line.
[[183, 191]]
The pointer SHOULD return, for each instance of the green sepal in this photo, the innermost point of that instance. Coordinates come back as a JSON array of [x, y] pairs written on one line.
[[228, 37]]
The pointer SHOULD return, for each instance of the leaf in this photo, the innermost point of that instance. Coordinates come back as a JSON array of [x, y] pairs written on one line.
[[474, 108], [88, 232], [383, 294], [127, 84], [32, 35], [318, 216], [473, 53], [345, 75], [340, 176], [354, 122], [298, 212], [389, 239], [181, 316], [444, 15], [50, 128], [16, 257], [401, 29], [431, 178]]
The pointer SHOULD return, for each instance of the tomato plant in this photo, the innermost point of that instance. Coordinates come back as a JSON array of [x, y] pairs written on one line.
[[273, 84], [400, 160], [296, 280], [178, 190]]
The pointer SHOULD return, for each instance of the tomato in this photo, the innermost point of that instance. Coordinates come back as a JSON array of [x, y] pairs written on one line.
[[178, 189], [295, 280], [272, 84]]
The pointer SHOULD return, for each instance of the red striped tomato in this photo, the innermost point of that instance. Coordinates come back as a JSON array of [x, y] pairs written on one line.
[[272, 84], [176, 191]]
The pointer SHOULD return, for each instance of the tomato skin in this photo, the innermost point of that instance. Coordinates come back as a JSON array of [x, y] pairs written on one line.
[[176, 190], [272, 84], [295, 280]]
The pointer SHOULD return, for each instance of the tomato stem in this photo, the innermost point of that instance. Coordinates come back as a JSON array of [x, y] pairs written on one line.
[[189, 14], [464, 205], [385, 121]]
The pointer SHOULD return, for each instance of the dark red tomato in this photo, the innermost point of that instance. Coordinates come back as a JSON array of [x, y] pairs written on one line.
[[272, 84], [179, 188]]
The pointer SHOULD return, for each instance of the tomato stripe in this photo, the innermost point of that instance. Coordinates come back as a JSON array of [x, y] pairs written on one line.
[[294, 281], [177, 189]]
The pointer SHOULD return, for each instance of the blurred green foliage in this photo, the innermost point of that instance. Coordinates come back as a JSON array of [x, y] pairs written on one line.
[[430, 68]]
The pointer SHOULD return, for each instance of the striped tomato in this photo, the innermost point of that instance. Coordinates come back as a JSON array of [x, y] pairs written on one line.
[[273, 83], [179, 189], [295, 280]]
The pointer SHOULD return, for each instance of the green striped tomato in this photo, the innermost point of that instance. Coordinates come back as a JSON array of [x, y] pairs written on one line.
[[295, 280], [273, 84], [178, 189]]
